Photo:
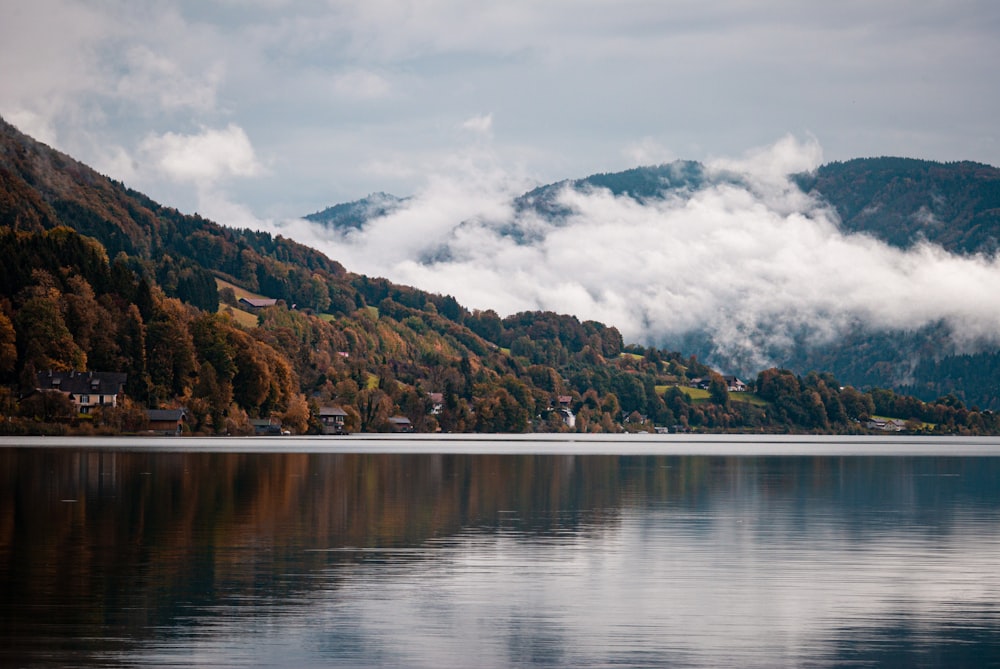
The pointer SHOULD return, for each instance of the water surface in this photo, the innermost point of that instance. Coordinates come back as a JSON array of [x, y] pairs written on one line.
[[871, 553]]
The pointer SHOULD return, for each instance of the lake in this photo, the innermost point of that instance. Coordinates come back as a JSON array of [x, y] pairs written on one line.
[[480, 551]]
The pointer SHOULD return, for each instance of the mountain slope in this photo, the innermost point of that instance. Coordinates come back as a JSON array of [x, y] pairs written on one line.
[[898, 201], [353, 215], [101, 276], [903, 201]]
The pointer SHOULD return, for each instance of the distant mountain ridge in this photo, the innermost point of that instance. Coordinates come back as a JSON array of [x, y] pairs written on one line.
[[353, 215], [903, 201], [96, 273], [899, 201]]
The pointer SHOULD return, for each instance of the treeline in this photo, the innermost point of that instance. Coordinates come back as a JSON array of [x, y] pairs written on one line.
[[66, 307], [98, 277], [904, 200]]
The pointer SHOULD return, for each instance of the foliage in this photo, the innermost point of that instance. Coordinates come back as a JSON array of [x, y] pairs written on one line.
[[98, 276]]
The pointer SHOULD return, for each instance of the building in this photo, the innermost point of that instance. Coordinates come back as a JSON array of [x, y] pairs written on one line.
[[400, 424], [266, 427], [734, 385], [886, 424], [86, 390], [564, 402], [332, 419], [168, 422], [257, 302]]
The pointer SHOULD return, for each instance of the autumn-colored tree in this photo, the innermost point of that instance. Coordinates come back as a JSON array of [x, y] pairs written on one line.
[[43, 338], [297, 416], [128, 417], [718, 392], [238, 422], [217, 394], [373, 406], [47, 406], [170, 352], [8, 346]]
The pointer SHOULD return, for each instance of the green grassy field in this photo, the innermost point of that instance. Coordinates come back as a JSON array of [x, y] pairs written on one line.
[[244, 318], [749, 398], [239, 292], [699, 395]]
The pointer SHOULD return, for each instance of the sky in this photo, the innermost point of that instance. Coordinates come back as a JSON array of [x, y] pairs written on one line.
[[258, 112], [284, 107]]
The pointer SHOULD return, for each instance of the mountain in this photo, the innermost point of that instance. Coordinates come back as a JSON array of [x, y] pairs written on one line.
[[99, 277], [903, 201], [640, 183], [353, 215], [899, 201]]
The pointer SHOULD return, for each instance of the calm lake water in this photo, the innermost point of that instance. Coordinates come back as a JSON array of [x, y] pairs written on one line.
[[500, 552]]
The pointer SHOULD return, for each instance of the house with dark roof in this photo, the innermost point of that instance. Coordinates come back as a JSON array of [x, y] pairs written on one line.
[[168, 422], [332, 419], [257, 302], [86, 390], [264, 427], [400, 424], [563, 404], [886, 424], [733, 384]]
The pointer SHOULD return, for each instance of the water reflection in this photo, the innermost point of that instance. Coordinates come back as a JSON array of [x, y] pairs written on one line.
[[147, 559]]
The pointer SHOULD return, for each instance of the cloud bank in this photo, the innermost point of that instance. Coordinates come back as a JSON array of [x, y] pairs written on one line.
[[344, 98], [752, 261]]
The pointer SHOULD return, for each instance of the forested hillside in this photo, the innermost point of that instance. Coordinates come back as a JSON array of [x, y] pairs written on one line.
[[899, 201], [98, 277], [903, 201]]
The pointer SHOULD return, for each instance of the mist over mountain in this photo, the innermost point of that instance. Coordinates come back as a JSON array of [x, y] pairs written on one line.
[[771, 260], [882, 270], [353, 215]]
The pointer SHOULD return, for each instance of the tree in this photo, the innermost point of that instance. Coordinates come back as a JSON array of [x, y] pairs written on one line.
[[298, 415], [216, 395], [373, 407], [48, 406], [170, 352], [128, 416], [43, 338], [8, 346], [718, 392], [857, 405], [238, 422]]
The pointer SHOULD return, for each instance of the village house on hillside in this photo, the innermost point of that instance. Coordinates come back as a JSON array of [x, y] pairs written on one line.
[[86, 390], [733, 384], [437, 403], [263, 427], [886, 424], [258, 302], [565, 412], [168, 422], [400, 424], [332, 419]]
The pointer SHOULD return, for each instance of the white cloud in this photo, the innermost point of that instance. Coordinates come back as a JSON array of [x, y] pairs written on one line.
[[361, 85], [647, 151], [482, 124], [207, 156], [392, 80], [31, 123], [757, 264], [152, 76]]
